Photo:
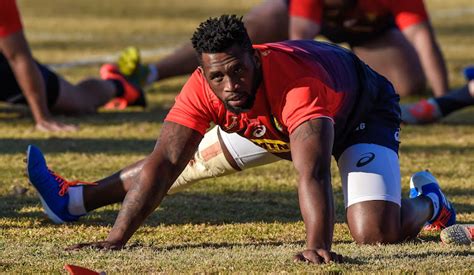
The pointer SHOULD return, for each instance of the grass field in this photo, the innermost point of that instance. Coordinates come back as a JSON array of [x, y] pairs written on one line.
[[241, 223]]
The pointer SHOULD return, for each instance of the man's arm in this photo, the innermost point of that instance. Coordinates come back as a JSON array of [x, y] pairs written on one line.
[[15, 49], [422, 37], [172, 152], [301, 28], [311, 147]]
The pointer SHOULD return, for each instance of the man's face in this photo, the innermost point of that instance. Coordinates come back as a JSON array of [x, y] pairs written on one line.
[[233, 76]]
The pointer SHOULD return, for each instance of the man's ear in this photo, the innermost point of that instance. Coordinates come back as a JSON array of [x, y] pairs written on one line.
[[201, 70]]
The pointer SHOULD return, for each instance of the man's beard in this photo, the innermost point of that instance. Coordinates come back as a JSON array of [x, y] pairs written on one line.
[[250, 98], [245, 107]]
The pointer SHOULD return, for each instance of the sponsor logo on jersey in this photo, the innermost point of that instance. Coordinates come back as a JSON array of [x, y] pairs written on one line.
[[365, 159], [272, 145], [259, 131]]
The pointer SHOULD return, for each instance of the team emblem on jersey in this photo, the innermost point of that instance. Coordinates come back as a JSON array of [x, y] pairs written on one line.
[[259, 131], [232, 124]]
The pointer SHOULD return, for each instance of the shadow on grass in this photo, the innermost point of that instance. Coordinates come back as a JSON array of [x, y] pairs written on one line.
[[79, 145], [208, 245], [151, 114], [189, 207], [424, 255]]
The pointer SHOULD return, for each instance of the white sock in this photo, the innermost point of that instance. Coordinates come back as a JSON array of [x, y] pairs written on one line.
[[435, 200], [76, 201]]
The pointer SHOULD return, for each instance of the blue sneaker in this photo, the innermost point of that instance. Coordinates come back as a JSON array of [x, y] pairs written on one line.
[[424, 183], [51, 188]]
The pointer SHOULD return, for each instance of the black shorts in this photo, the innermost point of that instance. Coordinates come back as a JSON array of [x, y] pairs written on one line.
[[11, 92]]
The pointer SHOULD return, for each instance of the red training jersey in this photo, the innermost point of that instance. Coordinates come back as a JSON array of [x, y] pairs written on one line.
[[360, 13], [9, 18], [302, 80]]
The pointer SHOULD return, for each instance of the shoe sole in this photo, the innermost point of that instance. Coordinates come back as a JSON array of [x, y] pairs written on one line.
[[51, 215], [456, 234]]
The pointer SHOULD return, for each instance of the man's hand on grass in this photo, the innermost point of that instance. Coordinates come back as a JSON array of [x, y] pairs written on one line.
[[318, 256]]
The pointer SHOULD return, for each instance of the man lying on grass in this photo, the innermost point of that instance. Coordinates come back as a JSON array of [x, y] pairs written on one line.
[[317, 97]]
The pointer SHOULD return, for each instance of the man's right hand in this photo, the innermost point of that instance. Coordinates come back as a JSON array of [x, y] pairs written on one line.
[[318, 256], [49, 125]]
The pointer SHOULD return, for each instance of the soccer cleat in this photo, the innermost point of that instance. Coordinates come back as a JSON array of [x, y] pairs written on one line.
[[129, 64], [51, 188], [424, 183], [422, 112], [132, 94], [457, 234]]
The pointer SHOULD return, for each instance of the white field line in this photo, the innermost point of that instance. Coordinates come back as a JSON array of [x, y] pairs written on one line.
[[437, 15]]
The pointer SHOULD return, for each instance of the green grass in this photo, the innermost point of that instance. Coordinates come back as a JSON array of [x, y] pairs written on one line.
[[240, 223]]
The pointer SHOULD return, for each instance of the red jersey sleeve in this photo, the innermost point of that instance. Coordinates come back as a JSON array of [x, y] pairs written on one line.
[[408, 12], [310, 9], [309, 99], [9, 18], [190, 108]]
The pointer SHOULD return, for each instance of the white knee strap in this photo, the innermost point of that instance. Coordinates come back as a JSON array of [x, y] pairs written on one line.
[[245, 153], [208, 161]]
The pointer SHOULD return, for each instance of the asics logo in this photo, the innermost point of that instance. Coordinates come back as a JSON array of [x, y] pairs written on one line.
[[365, 159]]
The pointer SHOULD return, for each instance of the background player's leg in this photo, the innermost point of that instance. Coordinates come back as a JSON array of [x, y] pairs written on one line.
[[394, 57], [84, 97]]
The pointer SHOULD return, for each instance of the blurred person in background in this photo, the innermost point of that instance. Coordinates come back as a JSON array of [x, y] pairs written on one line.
[[395, 38], [25, 81]]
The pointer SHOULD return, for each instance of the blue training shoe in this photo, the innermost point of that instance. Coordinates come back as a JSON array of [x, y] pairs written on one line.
[[51, 188], [424, 183]]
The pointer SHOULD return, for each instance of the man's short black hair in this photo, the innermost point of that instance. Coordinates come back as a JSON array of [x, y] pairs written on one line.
[[218, 34]]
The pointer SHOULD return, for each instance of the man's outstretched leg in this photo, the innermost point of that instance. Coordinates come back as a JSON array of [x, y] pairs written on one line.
[[90, 94], [218, 154]]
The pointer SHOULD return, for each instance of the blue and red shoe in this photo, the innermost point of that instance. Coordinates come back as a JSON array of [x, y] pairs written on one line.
[[421, 112], [52, 188], [133, 95], [425, 184]]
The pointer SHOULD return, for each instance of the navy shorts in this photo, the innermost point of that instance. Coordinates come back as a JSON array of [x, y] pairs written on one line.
[[380, 126], [372, 133], [11, 91]]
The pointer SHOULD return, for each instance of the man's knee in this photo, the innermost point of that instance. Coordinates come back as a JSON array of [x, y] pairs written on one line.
[[376, 235], [374, 222]]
